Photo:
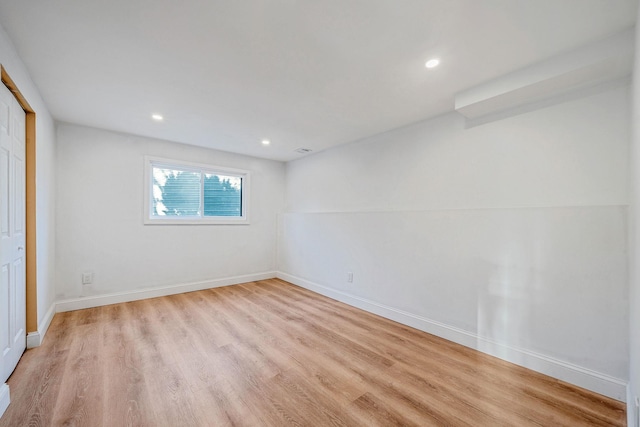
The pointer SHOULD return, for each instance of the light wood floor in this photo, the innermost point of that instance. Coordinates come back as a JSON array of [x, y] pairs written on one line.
[[273, 354]]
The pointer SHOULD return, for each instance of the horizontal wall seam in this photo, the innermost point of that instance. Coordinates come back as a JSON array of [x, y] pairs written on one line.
[[470, 209]]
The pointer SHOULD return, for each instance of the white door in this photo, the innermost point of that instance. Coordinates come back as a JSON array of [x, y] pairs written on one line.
[[13, 339]]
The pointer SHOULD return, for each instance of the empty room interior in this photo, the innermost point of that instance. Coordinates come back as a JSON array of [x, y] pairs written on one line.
[[356, 213]]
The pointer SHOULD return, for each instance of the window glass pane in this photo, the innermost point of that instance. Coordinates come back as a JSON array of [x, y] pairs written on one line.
[[222, 195], [190, 193], [175, 192]]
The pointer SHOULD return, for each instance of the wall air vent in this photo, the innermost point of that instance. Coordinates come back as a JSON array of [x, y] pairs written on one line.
[[304, 150]]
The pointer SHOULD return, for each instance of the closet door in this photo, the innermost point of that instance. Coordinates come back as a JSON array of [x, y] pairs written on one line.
[[13, 339]]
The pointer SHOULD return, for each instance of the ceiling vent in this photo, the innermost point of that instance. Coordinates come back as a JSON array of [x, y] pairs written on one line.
[[304, 150]]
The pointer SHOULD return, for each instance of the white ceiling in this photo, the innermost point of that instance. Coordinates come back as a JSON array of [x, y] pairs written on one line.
[[302, 73]]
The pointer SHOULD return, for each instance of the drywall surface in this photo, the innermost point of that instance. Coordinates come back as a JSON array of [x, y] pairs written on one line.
[[100, 218], [573, 153], [633, 412], [45, 176], [513, 232]]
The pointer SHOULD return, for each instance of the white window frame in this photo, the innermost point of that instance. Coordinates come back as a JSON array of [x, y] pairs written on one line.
[[150, 219]]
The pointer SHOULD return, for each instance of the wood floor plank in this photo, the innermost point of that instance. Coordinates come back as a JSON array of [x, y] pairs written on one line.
[[494, 374], [81, 384], [38, 377], [294, 352], [126, 397], [172, 397], [206, 374], [375, 412], [444, 380], [269, 353]]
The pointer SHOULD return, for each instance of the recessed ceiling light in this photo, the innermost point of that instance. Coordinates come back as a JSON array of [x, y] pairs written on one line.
[[432, 63], [157, 117], [266, 142]]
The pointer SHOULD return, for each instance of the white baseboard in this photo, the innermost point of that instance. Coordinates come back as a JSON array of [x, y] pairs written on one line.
[[34, 339], [119, 297], [5, 398], [574, 374], [633, 411]]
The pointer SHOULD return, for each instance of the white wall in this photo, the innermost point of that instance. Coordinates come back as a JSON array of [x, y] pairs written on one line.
[[509, 237], [100, 218], [634, 250], [45, 178]]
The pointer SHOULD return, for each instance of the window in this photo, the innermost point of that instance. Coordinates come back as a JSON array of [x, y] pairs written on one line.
[[189, 193]]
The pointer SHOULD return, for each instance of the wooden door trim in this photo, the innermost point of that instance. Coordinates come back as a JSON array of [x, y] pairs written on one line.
[[30, 187]]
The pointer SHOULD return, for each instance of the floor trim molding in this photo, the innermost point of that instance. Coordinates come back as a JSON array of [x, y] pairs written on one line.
[[633, 409], [5, 398], [35, 339], [595, 381], [138, 294]]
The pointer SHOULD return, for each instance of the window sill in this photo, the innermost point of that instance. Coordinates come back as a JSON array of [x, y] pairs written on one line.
[[187, 221]]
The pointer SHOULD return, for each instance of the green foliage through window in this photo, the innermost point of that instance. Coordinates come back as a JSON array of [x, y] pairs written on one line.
[[221, 196], [189, 193]]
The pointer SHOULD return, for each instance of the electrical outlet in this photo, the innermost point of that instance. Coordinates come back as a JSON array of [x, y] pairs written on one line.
[[350, 277], [87, 278]]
